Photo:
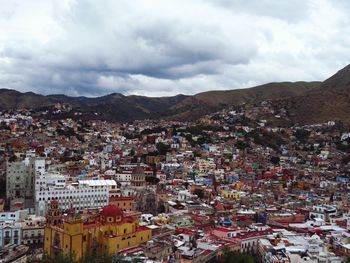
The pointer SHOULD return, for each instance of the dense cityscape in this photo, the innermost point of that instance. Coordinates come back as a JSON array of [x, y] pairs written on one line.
[[230, 187], [175, 131]]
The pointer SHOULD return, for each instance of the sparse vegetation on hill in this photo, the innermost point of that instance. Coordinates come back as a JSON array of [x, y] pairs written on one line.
[[304, 102]]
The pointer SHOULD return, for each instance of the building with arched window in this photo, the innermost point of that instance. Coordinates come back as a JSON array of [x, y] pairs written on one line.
[[109, 231], [138, 177]]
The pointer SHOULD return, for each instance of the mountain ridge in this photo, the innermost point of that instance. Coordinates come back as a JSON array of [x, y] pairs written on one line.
[[118, 107], [321, 101]]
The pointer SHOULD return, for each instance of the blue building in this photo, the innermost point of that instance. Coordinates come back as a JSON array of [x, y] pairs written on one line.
[[10, 233]]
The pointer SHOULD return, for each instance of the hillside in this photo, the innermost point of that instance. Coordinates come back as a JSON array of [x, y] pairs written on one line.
[[207, 102], [117, 107], [330, 101], [306, 102], [338, 82]]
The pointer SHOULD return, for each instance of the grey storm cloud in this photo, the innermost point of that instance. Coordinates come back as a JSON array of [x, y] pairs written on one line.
[[166, 47]]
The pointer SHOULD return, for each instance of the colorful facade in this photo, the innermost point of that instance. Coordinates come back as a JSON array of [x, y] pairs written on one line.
[[124, 203], [231, 194], [108, 232]]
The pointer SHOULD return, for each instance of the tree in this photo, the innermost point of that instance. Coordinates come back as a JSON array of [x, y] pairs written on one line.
[[91, 257], [13, 158], [241, 145], [174, 130], [199, 193], [186, 184], [302, 135], [228, 156], [204, 139], [189, 138], [152, 179], [80, 138], [94, 257], [59, 258], [161, 208], [233, 257], [162, 148], [275, 160]]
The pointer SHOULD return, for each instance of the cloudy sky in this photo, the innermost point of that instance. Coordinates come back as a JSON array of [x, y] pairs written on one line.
[[167, 47]]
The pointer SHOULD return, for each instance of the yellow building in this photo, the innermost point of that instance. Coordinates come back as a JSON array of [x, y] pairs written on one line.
[[237, 185], [231, 194], [109, 232]]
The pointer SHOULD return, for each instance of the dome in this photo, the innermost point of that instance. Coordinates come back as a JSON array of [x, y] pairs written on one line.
[[111, 211], [315, 237], [138, 170]]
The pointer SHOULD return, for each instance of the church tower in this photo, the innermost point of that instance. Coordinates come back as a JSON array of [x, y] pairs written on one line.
[[54, 214]]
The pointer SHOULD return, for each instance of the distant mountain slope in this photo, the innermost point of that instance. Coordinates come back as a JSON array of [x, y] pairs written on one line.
[[330, 101], [114, 107], [307, 102], [338, 82], [270, 91], [117, 107], [206, 102], [11, 99]]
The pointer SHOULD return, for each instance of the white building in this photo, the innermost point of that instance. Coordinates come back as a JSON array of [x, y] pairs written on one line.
[[33, 228], [110, 172], [79, 195], [123, 178], [13, 215], [111, 185], [184, 195], [323, 212]]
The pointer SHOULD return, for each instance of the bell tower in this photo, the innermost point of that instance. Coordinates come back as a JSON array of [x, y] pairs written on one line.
[[54, 214]]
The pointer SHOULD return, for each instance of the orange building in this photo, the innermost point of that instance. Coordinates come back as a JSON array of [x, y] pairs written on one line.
[[124, 203]]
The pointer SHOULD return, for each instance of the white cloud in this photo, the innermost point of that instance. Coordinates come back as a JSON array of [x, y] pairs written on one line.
[[166, 47]]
